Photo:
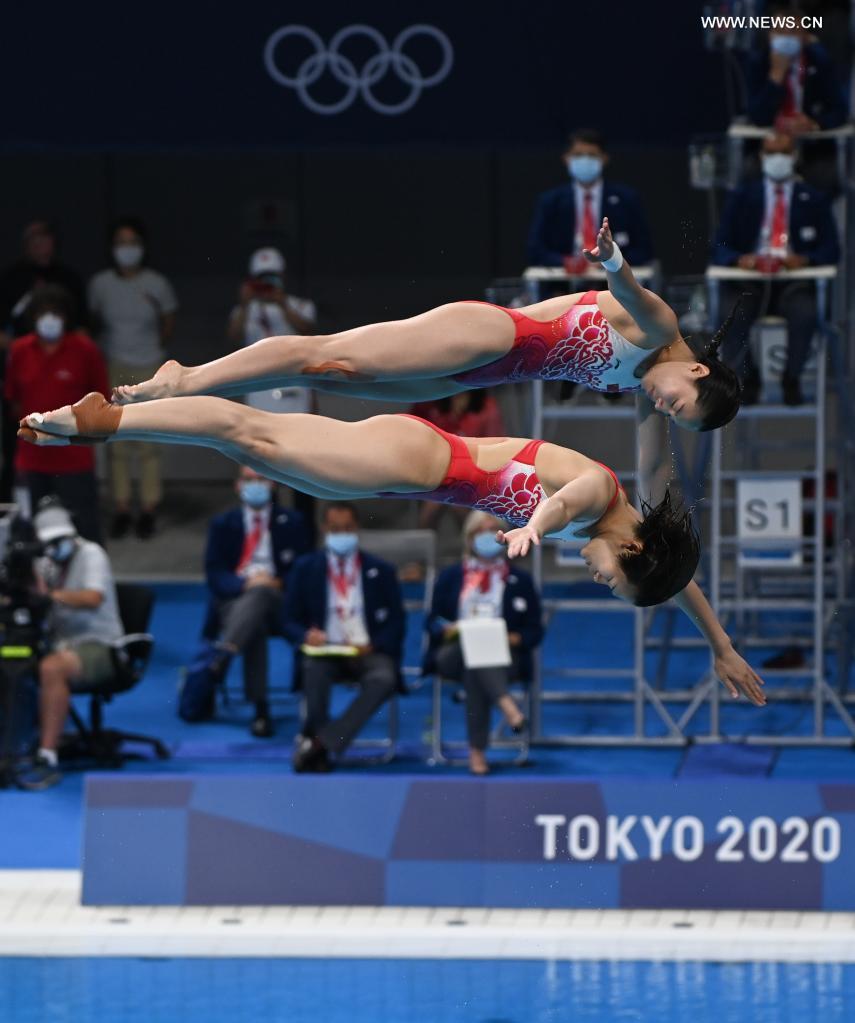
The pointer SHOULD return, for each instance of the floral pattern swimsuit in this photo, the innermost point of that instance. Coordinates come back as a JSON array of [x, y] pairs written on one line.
[[512, 492], [580, 345]]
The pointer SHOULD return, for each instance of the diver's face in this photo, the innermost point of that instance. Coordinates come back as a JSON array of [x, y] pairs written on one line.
[[673, 389], [603, 560]]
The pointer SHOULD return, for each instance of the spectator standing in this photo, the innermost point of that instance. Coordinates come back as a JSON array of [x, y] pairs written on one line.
[[566, 219], [133, 308], [777, 223], [266, 309], [482, 585], [342, 597], [249, 553], [83, 623], [37, 267], [50, 367]]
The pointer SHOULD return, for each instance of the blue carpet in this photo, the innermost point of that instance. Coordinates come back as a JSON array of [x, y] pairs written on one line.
[[42, 830]]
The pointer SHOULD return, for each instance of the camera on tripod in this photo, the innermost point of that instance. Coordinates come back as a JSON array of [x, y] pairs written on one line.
[[23, 615]]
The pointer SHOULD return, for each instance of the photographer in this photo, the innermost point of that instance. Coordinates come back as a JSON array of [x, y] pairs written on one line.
[[267, 309], [83, 622]]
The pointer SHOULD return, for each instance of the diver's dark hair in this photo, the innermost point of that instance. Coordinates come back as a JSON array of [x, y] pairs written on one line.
[[669, 555], [720, 390]]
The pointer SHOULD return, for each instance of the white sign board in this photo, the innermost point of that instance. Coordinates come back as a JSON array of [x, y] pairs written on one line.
[[769, 522]]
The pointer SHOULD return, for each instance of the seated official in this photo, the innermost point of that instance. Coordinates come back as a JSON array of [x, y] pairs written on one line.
[[777, 223], [566, 219], [249, 552], [792, 83], [342, 597], [484, 586], [83, 622]]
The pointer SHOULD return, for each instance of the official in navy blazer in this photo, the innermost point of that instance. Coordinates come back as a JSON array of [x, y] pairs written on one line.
[[792, 77], [786, 221], [249, 553], [484, 585], [564, 214], [342, 596]]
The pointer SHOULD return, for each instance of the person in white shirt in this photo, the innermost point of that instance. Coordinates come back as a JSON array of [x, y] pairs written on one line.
[[133, 308], [265, 308]]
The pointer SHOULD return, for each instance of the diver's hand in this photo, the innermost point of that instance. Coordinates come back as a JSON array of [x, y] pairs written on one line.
[[605, 245], [737, 675], [519, 541]]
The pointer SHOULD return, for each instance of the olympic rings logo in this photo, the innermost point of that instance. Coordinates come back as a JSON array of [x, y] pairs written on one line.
[[387, 59]]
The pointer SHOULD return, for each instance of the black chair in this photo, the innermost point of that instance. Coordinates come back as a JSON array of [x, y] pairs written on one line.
[[131, 655]]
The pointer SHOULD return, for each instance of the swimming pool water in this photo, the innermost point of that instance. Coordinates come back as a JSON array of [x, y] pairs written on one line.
[[107, 990]]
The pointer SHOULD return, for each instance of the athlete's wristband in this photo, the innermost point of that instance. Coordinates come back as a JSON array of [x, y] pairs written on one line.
[[615, 263]]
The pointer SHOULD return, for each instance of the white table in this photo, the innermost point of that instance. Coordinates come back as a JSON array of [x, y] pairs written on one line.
[[534, 276], [820, 274]]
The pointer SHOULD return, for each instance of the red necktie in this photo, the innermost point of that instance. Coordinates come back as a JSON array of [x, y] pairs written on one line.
[[778, 234], [251, 541], [791, 104], [589, 232]]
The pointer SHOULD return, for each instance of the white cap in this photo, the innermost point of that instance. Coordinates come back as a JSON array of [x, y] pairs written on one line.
[[52, 523], [266, 261]]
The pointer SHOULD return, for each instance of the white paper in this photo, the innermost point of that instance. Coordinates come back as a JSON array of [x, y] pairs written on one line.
[[484, 642]]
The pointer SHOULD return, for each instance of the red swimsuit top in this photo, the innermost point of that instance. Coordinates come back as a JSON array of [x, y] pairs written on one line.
[[511, 492]]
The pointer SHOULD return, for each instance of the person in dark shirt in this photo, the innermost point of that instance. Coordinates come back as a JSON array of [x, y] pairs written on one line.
[[778, 223], [792, 83], [566, 219]]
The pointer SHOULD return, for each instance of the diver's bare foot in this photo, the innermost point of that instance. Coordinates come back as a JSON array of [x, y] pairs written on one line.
[[92, 418], [165, 383]]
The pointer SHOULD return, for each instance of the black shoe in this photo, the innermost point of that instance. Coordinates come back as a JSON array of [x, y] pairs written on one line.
[[791, 390], [520, 727], [262, 727], [751, 389], [37, 775], [311, 756], [120, 526], [145, 525]]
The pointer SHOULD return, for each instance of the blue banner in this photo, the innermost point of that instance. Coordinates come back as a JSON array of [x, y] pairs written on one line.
[[412, 841]]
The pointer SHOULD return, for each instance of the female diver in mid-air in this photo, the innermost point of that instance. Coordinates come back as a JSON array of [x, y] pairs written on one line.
[[541, 489], [623, 339]]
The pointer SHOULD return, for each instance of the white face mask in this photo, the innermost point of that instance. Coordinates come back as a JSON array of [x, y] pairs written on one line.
[[787, 46], [485, 545], [585, 169], [341, 544], [778, 166], [50, 327], [128, 256]]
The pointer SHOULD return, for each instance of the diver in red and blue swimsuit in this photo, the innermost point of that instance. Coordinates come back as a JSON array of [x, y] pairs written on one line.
[[541, 489], [623, 339]]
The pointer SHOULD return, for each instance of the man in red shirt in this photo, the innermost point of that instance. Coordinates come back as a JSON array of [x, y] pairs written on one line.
[[51, 367]]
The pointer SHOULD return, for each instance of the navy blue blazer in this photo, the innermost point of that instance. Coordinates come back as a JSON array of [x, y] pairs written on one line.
[[520, 609], [812, 229], [306, 605], [289, 539], [553, 226], [824, 99]]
